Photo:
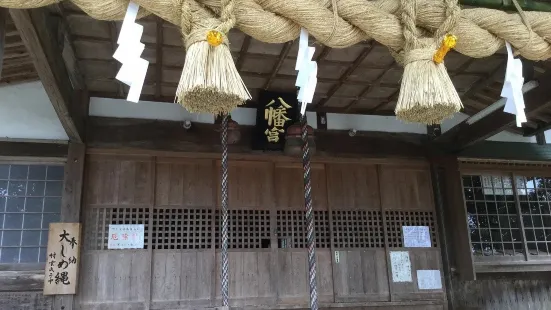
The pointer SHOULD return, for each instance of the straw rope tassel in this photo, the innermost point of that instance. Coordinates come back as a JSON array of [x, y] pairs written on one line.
[[210, 83], [224, 176], [427, 94], [311, 240]]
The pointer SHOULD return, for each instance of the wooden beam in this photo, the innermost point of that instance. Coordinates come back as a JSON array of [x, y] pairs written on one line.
[[21, 281], [494, 150], [465, 134], [3, 23], [31, 149], [540, 129], [205, 138], [35, 28]]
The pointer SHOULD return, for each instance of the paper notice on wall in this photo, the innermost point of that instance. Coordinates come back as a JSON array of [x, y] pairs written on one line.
[[416, 236], [401, 266], [126, 236], [429, 280]]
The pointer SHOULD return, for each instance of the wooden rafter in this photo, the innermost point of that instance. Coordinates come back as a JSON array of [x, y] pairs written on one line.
[[346, 74], [284, 51], [159, 58], [484, 81], [324, 52], [243, 52], [44, 49], [113, 41], [3, 24], [465, 134], [68, 52], [375, 83]]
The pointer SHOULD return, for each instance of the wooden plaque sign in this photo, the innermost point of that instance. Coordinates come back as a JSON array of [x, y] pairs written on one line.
[[275, 113], [63, 258]]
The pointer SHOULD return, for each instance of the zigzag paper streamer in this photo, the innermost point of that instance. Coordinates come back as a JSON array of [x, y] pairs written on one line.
[[134, 68]]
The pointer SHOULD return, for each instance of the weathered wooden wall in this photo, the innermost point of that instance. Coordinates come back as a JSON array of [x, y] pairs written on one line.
[[359, 210], [506, 292]]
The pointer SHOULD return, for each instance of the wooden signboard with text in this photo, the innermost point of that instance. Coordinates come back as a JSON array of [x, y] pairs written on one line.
[[63, 258], [275, 113]]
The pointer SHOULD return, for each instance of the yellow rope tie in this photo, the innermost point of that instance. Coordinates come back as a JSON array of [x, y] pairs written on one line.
[[448, 43], [215, 38]]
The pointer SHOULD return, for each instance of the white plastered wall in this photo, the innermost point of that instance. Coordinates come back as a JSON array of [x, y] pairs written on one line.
[[27, 114]]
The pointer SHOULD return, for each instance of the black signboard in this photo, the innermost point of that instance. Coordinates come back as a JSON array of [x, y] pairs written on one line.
[[275, 113]]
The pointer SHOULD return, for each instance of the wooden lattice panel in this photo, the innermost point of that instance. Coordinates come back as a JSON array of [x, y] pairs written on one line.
[[358, 229], [97, 221], [396, 219], [291, 229], [247, 229], [175, 228]]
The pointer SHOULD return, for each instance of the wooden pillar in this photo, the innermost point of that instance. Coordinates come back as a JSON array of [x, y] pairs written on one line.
[[71, 202], [455, 219]]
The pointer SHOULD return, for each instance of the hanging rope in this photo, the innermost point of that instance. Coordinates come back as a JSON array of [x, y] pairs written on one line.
[[225, 275], [311, 240]]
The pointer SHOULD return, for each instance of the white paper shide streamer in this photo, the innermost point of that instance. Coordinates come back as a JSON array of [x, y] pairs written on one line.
[[307, 71], [129, 52], [512, 87]]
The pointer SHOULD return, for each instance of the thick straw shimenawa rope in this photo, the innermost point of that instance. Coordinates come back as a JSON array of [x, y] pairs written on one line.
[[482, 31], [427, 94]]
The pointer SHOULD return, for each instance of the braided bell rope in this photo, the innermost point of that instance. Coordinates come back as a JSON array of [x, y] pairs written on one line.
[[224, 277], [310, 230], [481, 32]]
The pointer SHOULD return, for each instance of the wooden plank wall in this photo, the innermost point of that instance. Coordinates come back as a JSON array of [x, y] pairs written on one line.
[[512, 292], [178, 199]]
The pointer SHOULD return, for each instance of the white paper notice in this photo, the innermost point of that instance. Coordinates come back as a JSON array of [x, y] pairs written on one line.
[[429, 280], [401, 266], [416, 236], [126, 237]]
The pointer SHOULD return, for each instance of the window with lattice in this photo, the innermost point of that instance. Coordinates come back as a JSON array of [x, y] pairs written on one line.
[[395, 220], [30, 199], [291, 229], [176, 228], [534, 194], [492, 215], [358, 229], [247, 229], [98, 219]]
